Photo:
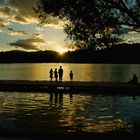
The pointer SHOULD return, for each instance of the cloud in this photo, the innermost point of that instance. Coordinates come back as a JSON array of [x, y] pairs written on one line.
[[24, 7], [37, 34], [133, 32], [29, 44], [14, 32], [4, 23], [20, 19], [24, 20], [6, 11], [54, 26], [24, 10], [21, 11], [132, 40]]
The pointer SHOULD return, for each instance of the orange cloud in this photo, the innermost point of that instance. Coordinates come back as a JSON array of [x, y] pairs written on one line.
[[4, 23]]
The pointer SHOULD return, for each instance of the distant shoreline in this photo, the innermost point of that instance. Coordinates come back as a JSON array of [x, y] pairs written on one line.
[[68, 62], [117, 54]]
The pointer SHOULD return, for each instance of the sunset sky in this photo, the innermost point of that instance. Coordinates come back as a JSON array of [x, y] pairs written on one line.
[[19, 29]]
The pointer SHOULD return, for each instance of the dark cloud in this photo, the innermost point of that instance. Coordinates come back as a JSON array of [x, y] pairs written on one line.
[[28, 44], [15, 32], [24, 7], [21, 11], [20, 19], [6, 11], [24, 11]]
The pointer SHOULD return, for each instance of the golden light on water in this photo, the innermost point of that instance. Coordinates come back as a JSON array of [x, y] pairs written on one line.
[[51, 111]]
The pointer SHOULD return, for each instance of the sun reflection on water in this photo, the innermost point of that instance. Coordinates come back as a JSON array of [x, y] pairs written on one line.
[[57, 112]]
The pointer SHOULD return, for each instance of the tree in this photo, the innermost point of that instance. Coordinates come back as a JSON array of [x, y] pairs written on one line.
[[93, 22]]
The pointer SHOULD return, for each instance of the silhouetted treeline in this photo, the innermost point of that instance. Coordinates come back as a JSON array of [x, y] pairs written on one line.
[[123, 53]]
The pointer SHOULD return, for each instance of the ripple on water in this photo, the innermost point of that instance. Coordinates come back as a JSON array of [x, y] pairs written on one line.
[[79, 112]]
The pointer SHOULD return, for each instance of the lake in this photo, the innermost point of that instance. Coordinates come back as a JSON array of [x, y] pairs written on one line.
[[82, 72], [68, 113], [62, 113]]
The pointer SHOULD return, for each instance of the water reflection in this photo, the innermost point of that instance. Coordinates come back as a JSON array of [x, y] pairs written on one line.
[[82, 72], [56, 99], [57, 112]]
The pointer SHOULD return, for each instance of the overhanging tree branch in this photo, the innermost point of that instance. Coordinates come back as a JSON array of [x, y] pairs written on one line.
[[91, 17]]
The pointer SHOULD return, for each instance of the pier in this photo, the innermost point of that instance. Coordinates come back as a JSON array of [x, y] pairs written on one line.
[[69, 87]]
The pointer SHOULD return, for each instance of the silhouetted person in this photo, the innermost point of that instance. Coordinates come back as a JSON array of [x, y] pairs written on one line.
[[60, 72], [71, 75], [55, 74], [51, 74], [134, 80]]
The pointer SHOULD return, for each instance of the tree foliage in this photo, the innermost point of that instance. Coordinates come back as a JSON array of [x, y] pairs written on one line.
[[93, 22]]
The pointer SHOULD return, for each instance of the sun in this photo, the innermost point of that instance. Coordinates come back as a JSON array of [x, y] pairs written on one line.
[[62, 51]]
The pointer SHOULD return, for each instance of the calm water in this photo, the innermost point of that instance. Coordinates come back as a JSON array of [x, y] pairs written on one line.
[[44, 112], [82, 72]]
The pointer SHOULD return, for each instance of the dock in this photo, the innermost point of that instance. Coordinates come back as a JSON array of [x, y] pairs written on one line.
[[70, 87]]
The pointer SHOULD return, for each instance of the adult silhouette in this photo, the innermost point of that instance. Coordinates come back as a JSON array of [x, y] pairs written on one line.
[[55, 74], [60, 72], [71, 75], [135, 79], [51, 74]]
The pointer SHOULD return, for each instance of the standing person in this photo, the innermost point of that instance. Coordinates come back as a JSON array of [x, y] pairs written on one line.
[[135, 79], [71, 75], [60, 72], [55, 74], [51, 74]]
